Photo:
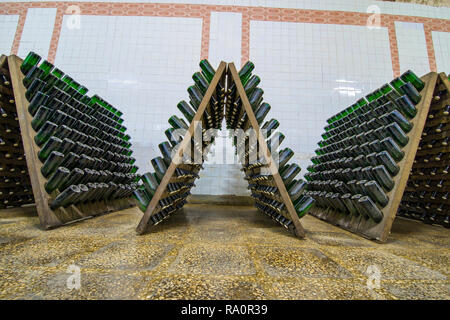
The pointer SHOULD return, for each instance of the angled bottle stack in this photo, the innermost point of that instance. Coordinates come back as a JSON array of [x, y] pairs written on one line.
[[360, 170], [271, 179], [217, 94], [164, 191], [77, 151], [15, 184], [426, 197]]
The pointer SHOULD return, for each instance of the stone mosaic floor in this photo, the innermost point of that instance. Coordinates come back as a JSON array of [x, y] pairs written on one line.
[[218, 252]]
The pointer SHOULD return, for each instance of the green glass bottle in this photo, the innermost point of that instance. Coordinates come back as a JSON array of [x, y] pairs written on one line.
[[396, 84], [255, 97], [270, 125], [166, 151], [31, 60], [186, 110], [34, 87], [396, 116], [289, 174], [51, 163], [40, 117], [207, 70], [304, 206], [34, 73], [150, 183], [251, 84], [38, 100], [388, 162], [370, 209], [142, 199], [200, 82], [376, 193], [245, 72], [52, 144], [406, 106], [75, 177], [178, 123], [296, 190], [397, 133], [195, 95], [160, 168], [274, 142], [46, 67], [383, 178], [57, 73], [56, 179], [284, 156], [171, 136], [391, 146], [411, 92], [66, 197], [411, 77], [45, 132], [262, 112]]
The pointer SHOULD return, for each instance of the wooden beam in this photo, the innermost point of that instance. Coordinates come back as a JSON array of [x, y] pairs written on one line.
[[300, 232]]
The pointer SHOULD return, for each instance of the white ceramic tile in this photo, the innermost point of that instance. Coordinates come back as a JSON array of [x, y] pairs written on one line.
[[8, 27], [37, 31], [225, 45], [218, 177], [412, 47], [311, 71], [142, 65], [441, 43]]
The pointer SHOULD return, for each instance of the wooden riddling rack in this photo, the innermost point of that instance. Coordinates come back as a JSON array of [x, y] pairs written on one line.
[[426, 196], [226, 77], [76, 211], [367, 227], [15, 184]]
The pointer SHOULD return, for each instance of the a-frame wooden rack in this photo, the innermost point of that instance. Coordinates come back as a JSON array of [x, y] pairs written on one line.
[[226, 75], [50, 218], [380, 231]]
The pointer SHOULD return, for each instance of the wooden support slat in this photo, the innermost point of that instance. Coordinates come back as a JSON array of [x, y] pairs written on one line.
[[299, 231]]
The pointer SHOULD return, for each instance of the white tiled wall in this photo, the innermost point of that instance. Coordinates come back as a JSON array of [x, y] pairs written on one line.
[[412, 47], [311, 71], [389, 7], [8, 27], [225, 45], [220, 176], [142, 65], [441, 43], [37, 31]]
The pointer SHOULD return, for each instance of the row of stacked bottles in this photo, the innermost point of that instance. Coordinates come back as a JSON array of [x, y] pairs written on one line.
[[83, 145], [357, 161], [180, 184], [264, 190]]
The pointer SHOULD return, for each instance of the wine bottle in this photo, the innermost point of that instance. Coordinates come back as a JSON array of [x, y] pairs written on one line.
[[66, 197], [56, 179], [32, 59], [52, 162], [207, 70]]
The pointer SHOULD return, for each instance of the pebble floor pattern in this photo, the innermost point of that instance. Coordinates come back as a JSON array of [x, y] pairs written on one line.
[[217, 252]]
